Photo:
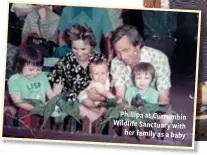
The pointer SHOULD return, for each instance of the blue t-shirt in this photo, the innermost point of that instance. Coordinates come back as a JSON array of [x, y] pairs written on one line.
[[150, 95], [96, 18]]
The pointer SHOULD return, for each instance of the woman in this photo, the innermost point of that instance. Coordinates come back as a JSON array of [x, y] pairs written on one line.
[[71, 73]]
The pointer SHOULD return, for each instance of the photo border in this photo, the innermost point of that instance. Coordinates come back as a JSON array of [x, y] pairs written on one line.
[[88, 4]]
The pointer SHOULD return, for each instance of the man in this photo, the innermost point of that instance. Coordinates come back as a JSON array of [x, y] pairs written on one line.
[[129, 48], [21, 10], [96, 18], [197, 5], [159, 30]]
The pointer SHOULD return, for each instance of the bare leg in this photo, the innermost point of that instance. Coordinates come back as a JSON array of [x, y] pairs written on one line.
[[91, 106], [84, 112]]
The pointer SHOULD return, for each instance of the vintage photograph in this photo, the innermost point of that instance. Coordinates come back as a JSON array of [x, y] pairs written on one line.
[[102, 75]]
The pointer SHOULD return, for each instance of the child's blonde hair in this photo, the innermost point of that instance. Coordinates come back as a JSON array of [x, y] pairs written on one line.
[[96, 63]]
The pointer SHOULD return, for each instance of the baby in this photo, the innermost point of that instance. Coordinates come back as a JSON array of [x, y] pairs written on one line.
[[100, 84], [142, 76]]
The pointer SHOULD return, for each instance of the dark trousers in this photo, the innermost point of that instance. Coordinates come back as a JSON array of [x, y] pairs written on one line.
[[164, 44]]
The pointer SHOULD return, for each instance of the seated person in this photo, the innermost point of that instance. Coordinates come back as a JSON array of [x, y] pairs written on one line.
[[29, 81], [20, 11], [100, 84], [42, 21], [96, 18], [142, 75]]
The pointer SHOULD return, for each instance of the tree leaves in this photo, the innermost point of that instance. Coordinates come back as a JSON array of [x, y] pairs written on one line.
[[138, 106], [67, 108], [38, 107], [112, 102], [72, 109], [49, 109]]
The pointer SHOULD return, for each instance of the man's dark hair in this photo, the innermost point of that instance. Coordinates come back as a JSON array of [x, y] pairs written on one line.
[[127, 30]]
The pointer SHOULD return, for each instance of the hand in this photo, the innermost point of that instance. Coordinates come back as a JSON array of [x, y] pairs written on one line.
[[36, 41], [42, 12], [126, 107]]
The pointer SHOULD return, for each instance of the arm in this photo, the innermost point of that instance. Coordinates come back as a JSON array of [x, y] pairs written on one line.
[[50, 93], [23, 105], [163, 81], [57, 89], [109, 50], [118, 76], [57, 76], [157, 3], [15, 94], [120, 92], [26, 28], [61, 39], [107, 28], [164, 97], [63, 25]]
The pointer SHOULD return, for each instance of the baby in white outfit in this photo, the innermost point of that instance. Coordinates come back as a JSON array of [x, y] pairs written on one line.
[[100, 85]]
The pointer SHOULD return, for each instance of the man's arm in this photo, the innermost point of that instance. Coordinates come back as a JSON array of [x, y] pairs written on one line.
[[120, 92], [26, 28], [61, 39], [109, 50], [107, 28], [63, 25], [163, 79], [118, 76], [164, 97]]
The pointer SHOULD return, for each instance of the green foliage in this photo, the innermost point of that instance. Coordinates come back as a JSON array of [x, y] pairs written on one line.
[[66, 108], [38, 107], [138, 105], [115, 107], [72, 109]]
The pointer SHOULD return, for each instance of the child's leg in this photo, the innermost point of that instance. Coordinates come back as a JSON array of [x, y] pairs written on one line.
[[92, 116], [85, 112], [91, 105]]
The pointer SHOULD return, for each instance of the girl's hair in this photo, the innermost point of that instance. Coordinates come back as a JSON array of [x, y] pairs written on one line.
[[28, 55], [96, 63], [144, 68], [80, 32]]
